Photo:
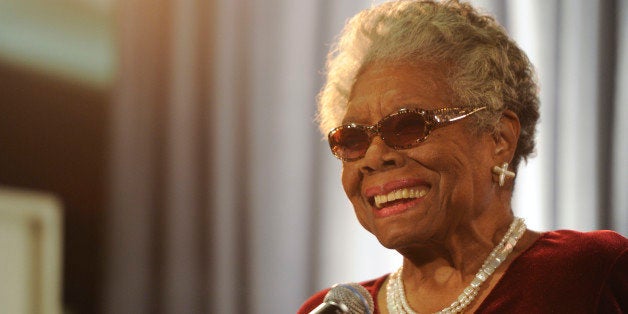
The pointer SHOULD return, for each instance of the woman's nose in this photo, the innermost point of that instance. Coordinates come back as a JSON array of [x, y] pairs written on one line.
[[380, 156]]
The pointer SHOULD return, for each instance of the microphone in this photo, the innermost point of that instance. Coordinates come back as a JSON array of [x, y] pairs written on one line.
[[346, 298]]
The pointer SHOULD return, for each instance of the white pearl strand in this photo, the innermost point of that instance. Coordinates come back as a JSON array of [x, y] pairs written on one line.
[[396, 295]]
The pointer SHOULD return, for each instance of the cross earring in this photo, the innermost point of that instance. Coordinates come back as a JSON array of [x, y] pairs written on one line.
[[503, 173]]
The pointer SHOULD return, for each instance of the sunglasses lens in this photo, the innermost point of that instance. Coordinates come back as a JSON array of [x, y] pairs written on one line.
[[403, 130], [349, 143]]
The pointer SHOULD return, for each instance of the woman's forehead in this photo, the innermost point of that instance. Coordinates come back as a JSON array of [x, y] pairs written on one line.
[[385, 88]]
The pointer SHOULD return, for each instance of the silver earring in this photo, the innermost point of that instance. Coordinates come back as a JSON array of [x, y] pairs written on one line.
[[503, 172]]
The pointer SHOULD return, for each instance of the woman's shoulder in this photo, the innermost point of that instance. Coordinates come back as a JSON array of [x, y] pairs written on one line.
[[565, 271], [372, 286], [593, 243], [576, 252], [598, 235]]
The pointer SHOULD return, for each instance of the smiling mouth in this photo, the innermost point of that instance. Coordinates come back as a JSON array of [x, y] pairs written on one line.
[[398, 196]]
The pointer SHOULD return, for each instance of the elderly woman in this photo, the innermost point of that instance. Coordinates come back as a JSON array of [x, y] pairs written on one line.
[[431, 108]]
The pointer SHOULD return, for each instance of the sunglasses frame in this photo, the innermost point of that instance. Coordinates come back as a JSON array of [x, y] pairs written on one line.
[[433, 119]]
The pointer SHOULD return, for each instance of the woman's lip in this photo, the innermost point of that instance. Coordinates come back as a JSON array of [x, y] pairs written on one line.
[[392, 186], [397, 208]]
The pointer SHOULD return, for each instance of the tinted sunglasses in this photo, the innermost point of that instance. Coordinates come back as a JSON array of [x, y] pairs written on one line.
[[403, 129]]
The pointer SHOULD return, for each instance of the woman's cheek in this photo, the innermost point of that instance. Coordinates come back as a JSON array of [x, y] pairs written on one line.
[[350, 181], [351, 185]]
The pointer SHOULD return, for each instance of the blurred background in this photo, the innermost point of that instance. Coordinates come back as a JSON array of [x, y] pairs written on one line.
[[179, 139]]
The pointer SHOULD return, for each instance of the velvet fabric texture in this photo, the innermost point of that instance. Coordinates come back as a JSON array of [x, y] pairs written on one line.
[[562, 272]]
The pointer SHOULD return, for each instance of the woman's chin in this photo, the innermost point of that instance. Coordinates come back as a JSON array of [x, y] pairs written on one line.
[[405, 231], [396, 239]]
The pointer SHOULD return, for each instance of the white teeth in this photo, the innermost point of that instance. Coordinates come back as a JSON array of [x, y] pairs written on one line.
[[399, 194]]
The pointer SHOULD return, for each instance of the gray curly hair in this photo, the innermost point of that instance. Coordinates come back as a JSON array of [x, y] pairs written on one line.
[[485, 66]]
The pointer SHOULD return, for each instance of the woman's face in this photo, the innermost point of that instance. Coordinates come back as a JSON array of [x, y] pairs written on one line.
[[443, 182]]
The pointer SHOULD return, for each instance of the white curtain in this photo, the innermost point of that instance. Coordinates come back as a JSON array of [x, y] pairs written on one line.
[[576, 179], [224, 198]]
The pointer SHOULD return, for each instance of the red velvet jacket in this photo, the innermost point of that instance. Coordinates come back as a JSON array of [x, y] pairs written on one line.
[[562, 272]]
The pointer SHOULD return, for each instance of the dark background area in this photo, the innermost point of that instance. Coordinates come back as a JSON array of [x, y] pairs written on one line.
[[53, 137]]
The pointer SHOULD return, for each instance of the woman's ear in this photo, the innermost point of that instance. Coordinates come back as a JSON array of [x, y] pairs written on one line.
[[506, 137]]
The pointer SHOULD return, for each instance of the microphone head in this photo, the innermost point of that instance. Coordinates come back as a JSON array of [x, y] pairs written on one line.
[[353, 295]]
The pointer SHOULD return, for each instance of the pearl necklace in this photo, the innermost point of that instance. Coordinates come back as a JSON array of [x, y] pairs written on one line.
[[396, 295]]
